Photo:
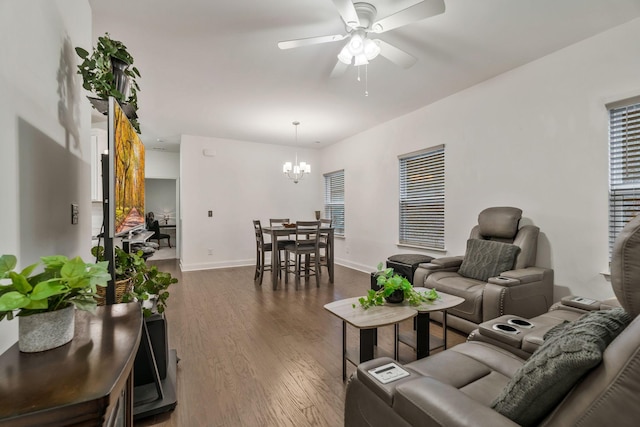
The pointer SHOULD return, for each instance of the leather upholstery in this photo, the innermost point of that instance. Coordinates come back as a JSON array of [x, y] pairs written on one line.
[[457, 386], [526, 290], [625, 267]]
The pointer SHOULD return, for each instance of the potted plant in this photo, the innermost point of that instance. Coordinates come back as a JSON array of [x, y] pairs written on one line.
[[147, 283], [109, 71], [128, 268], [45, 301], [151, 285], [394, 289]]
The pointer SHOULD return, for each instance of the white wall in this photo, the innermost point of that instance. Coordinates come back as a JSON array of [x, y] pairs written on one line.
[[535, 138], [160, 197], [161, 164], [44, 133], [243, 181]]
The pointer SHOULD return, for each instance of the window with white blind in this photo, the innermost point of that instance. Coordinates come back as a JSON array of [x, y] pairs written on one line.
[[624, 166], [334, 200], [422, 198]]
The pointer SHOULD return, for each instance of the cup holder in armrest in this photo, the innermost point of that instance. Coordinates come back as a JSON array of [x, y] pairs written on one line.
[[520, 322], [503, 327]]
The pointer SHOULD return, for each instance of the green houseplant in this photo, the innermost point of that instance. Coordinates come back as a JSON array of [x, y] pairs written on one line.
[[109, 71], [148, 283], [45, 298], [394, 288]]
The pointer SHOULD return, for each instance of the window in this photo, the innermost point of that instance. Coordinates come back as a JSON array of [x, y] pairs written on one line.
[[624, 167], [422, 198], [334, 200]]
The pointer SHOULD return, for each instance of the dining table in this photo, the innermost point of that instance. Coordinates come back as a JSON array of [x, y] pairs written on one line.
[[280, 232]]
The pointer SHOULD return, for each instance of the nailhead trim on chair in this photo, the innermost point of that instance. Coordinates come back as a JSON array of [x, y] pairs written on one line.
[[503, 292]]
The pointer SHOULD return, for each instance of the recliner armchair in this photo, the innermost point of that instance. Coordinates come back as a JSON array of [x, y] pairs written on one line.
[[459, 386], [496, 276]]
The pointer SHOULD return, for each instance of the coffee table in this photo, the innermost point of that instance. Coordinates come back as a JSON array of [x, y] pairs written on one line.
[[421, 340], [367, 321]]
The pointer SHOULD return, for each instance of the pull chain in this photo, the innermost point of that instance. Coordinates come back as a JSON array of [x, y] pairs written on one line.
[[366, 80]]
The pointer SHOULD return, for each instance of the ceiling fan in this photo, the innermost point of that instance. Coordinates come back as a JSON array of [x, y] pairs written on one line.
[[360, 20]]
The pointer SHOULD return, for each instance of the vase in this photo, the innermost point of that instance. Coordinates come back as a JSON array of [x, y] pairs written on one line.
[[44, 331], [121, 80], [317, 215], [396, 297]]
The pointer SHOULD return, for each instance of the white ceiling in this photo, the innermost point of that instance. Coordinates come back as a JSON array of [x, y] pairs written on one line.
[[213, 68]]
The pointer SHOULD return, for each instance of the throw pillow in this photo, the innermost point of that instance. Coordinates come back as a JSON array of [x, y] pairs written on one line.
[[487, 258], [548, 375]]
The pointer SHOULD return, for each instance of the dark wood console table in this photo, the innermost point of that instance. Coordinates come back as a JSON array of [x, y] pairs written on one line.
[[87, 382]]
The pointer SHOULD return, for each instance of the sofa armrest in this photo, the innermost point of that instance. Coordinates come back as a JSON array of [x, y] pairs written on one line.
[[524, 275], [447, 262], [429, 402], [451, 263], [526, 292]]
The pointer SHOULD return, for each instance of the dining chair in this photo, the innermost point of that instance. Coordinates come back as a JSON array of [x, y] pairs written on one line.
[[261, 248], [323, 243], [307, 245], [280, 243]]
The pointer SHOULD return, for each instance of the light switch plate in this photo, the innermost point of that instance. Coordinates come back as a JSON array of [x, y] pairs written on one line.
[[74, 214]]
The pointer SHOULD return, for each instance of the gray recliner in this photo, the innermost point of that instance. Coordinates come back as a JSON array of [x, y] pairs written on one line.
[[457, 387], [496, 276]]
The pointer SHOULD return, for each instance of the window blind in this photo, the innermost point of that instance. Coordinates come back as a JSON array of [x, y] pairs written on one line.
[[624, 167], [422, 198], [334, 200]]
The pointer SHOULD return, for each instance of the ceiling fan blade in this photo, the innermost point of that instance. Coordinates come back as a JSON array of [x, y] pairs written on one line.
[[348, 12], [311, 40], [339, 69], [417, 12], [395, 55]]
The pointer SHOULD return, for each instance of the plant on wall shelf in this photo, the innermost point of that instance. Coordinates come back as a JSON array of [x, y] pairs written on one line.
[[392, 285], [109, 71]]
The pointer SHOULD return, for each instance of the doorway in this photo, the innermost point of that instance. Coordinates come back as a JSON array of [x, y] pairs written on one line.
[[161, 198]]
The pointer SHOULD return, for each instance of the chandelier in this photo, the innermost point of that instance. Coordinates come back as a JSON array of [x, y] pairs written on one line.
[[297, 170]]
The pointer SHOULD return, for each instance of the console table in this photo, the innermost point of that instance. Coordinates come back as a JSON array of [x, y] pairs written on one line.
[[85, 382]]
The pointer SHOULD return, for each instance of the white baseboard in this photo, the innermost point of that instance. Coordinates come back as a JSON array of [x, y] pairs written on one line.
[[245, 263], [355, 266], [214, 265]]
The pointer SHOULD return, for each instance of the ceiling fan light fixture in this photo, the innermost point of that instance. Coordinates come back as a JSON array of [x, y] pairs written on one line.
[[345, 56], [371, 49], [356, 44], [360, 59]]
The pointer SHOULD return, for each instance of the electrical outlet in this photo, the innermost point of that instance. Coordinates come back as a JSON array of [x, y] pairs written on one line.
[[210, 251]]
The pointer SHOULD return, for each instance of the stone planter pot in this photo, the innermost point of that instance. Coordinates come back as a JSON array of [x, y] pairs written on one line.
[[44, 331]]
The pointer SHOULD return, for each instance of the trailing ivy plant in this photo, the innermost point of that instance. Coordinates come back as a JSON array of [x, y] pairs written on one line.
[[97, 72], [390, 283], [148, 282]]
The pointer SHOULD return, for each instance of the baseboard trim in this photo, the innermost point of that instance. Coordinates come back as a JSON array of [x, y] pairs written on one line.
[[247, 263], [214, 265]]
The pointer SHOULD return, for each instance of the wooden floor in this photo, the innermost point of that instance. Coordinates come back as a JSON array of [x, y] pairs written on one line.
[[252, 356]]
